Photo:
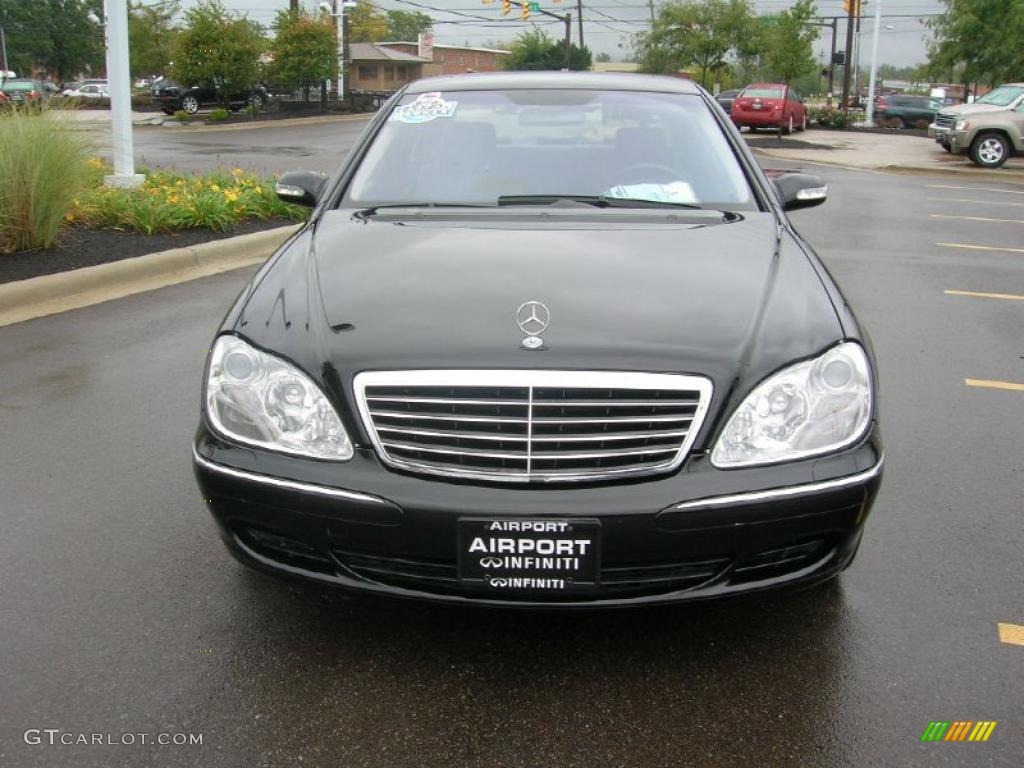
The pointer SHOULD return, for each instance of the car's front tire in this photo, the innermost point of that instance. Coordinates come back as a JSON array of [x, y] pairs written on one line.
[[255, 102], [190, 104], [990, 150]]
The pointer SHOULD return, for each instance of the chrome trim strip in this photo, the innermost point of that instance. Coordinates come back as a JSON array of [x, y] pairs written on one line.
[[754, 497], [291, 485], [533, 379]]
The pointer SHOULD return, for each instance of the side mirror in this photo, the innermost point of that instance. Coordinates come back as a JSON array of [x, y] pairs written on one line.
[[801, 190], [301, 187]]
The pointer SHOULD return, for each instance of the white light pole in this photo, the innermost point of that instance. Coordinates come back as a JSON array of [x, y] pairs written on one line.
[[869, 118], [339, 16], [120, 85]]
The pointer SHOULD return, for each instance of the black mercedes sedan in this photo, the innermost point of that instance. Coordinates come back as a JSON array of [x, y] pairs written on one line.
[[548, 339]]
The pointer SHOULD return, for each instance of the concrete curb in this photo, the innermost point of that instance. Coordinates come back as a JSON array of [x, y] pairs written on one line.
[[50, 294], [1005, 175], [282, 123]]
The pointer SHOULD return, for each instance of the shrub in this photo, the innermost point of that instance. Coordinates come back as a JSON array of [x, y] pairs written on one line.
[[43, 166], [182, 116], [169, 200], [219, 114]]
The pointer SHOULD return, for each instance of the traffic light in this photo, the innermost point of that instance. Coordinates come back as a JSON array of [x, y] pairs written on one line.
[[839, 58], [524, 11], [506, 7], [855, 4]]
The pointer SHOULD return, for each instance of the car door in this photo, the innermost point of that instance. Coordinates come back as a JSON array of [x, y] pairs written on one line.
[[1017, 118]]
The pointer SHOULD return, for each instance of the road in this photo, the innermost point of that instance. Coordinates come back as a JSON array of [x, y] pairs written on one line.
[[121, 613], [314, 146]]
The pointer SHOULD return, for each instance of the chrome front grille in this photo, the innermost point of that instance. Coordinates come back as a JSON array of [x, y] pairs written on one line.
[[532, 425], [943, 120]]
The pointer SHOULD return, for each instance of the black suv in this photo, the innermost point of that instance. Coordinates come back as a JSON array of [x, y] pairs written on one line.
[[171, 97]]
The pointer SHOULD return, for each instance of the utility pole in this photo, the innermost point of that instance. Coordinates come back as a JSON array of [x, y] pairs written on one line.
[[832, 62], [870, 117], [851, 7], [650, 4], [120, 97], [3, 47], [579, 19], [568, 40]]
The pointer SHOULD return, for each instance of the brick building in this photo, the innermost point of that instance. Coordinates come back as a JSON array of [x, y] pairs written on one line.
[[454, 59]]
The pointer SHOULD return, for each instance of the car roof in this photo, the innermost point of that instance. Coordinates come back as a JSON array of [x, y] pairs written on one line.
[[766, 85], [597, 81]]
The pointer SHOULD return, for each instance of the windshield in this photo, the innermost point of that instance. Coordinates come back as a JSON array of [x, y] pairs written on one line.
[[486, 147], [763, 93], [1002, 96], [23, 85]]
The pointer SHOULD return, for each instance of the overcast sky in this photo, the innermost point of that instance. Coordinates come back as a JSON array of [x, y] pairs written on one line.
[[609, 24]]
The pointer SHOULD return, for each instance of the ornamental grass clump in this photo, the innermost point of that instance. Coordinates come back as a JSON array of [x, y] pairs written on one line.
[[43, 166]]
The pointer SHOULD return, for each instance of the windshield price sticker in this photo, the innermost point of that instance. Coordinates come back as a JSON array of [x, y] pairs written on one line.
[[427, 107], [536, 555]]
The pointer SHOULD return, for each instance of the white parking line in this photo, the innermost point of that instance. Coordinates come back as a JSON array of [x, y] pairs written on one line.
[[981, 247], [976, 218], [968, 200], [975, 189]]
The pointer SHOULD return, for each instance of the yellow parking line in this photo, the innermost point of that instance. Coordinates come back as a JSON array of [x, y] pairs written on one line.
[[1012, 634], [982, 295], [975, 189], [969, 200], [981, 247], [977, 218], [989, 384]]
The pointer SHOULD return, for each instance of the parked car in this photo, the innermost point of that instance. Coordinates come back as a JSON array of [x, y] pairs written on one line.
[[1007, 96], [87, 92], [171, 97], [906, 111], [589, 364], [23, 91], [769, 105], [988, 137], [726, 98]]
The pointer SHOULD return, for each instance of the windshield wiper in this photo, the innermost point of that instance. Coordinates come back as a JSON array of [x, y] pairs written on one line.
[[597, 201], [372, 210]]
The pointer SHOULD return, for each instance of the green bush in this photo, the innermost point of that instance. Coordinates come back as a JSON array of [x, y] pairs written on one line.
[[219, 114], [169, 201], [182, 116], [43, 166]]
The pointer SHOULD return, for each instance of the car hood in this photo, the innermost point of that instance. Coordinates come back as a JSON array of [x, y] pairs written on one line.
[[966, 109], [726, 301]]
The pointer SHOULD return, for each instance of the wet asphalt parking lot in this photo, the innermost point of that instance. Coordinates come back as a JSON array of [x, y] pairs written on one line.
[[121, 613]]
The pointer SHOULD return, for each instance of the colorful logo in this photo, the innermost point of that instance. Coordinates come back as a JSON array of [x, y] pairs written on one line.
[[958, 730]]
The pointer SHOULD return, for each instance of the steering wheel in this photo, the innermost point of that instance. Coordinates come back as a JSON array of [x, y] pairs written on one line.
[[662, 173]]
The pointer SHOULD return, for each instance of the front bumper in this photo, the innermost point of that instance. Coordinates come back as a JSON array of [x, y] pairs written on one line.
[[695, 534], [957, 141]]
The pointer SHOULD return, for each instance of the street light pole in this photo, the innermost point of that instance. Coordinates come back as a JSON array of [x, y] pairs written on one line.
[[874, 63], [120, 96], [337, 9]]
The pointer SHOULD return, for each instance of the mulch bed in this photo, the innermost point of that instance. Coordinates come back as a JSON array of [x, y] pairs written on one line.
[[81, 247]]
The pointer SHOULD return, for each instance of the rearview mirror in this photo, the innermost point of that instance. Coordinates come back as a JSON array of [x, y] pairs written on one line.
[[301, 187], [801, 190]]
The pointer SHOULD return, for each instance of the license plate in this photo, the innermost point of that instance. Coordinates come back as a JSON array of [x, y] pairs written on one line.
[[534, 555]]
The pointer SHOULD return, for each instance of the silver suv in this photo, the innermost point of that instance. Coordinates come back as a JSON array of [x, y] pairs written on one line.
[[1005, 97]]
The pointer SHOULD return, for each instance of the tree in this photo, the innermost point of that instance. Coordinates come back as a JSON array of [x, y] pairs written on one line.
[[407, 25], [151, 34], [696, 33], [366, 24], [535, 50], [56, 35], [789, 52], [304, 49], [981, 39], [603, 57], [217, 49]]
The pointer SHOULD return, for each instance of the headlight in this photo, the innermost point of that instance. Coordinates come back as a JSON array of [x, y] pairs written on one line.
[[962, 125], [257, 399], [810, 408]]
